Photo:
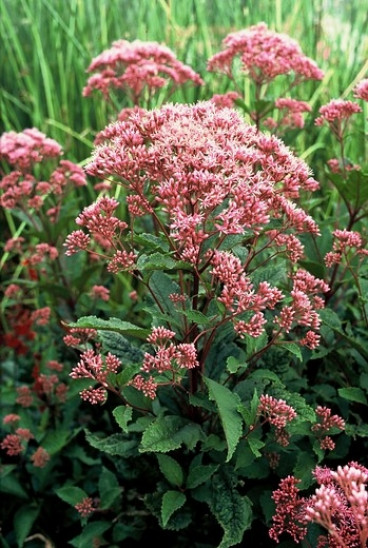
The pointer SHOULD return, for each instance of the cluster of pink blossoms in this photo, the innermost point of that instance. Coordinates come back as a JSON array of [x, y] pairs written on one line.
[[16, 443], [20, 188], [337, 114], [291, 110], [339, 505], [264, 55], [92, 366], [347, 242], [278, 413], [361, 90], [201, 173], [135, 67], [168, 358], [326, 423]]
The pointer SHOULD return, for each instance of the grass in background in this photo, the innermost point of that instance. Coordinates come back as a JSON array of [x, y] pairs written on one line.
[[46, 46]]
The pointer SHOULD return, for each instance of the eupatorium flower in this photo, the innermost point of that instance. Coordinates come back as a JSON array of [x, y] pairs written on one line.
[[264, 55], [339, 505], [23, 150], [202, 174], [361, 90], [135, 67]]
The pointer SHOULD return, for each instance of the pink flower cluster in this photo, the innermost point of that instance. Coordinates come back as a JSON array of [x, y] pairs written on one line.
[[202, 174], [264, 55], [20, 188], [346, 242], [104, 231], [339, 505], [23, 150], [278, 413], [238, 294], [361, 90], [93, 366], [136, 67], [326, 423], [16, 443], [302, 311], [291, 110], [168, 358], [337, 114], [86, 507]]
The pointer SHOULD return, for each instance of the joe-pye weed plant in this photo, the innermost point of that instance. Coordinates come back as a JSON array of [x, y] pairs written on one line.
[[205, 386]]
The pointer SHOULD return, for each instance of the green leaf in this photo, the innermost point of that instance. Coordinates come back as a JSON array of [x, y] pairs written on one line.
[[354, 189], [240, 103], [353, 394], [171, 501], [200, 474], [293, 348], [249, 413], [91, 534], [234, 364], [113, 324], [171, 469], [197, 317], [155, 261], [9, 484], [162, 286], [232, 511], [227, 404], [71, 494], [150, 241], [123, 415], [121, 347], [23, 522], [55, 440], [255, 443], [305, 463], [169, 432], [116, 444]]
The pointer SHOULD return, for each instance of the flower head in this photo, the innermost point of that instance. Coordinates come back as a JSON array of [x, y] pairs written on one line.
[[135, 67], [264, 55]]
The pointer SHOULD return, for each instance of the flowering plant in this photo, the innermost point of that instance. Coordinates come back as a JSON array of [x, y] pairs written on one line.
[[188, 311]]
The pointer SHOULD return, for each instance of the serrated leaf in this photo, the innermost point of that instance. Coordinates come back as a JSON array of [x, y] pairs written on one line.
[[155, 261], [353, 394], [293, 348], [116, 444], [123, 415], [128, 372], [200, 474], [171, 469], [109, 497], [23, 521], [121, 347], [169, 432], [353, 189], [107, 481], [255, 443], [162, 286], [232, 511], [54, 441], [9, 484], [227, 403], [71, 494], [304, 465], [196, 317], [151, 241], [91, 533], [249, 412], [234, 364], [112, 324], [171, 502]]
